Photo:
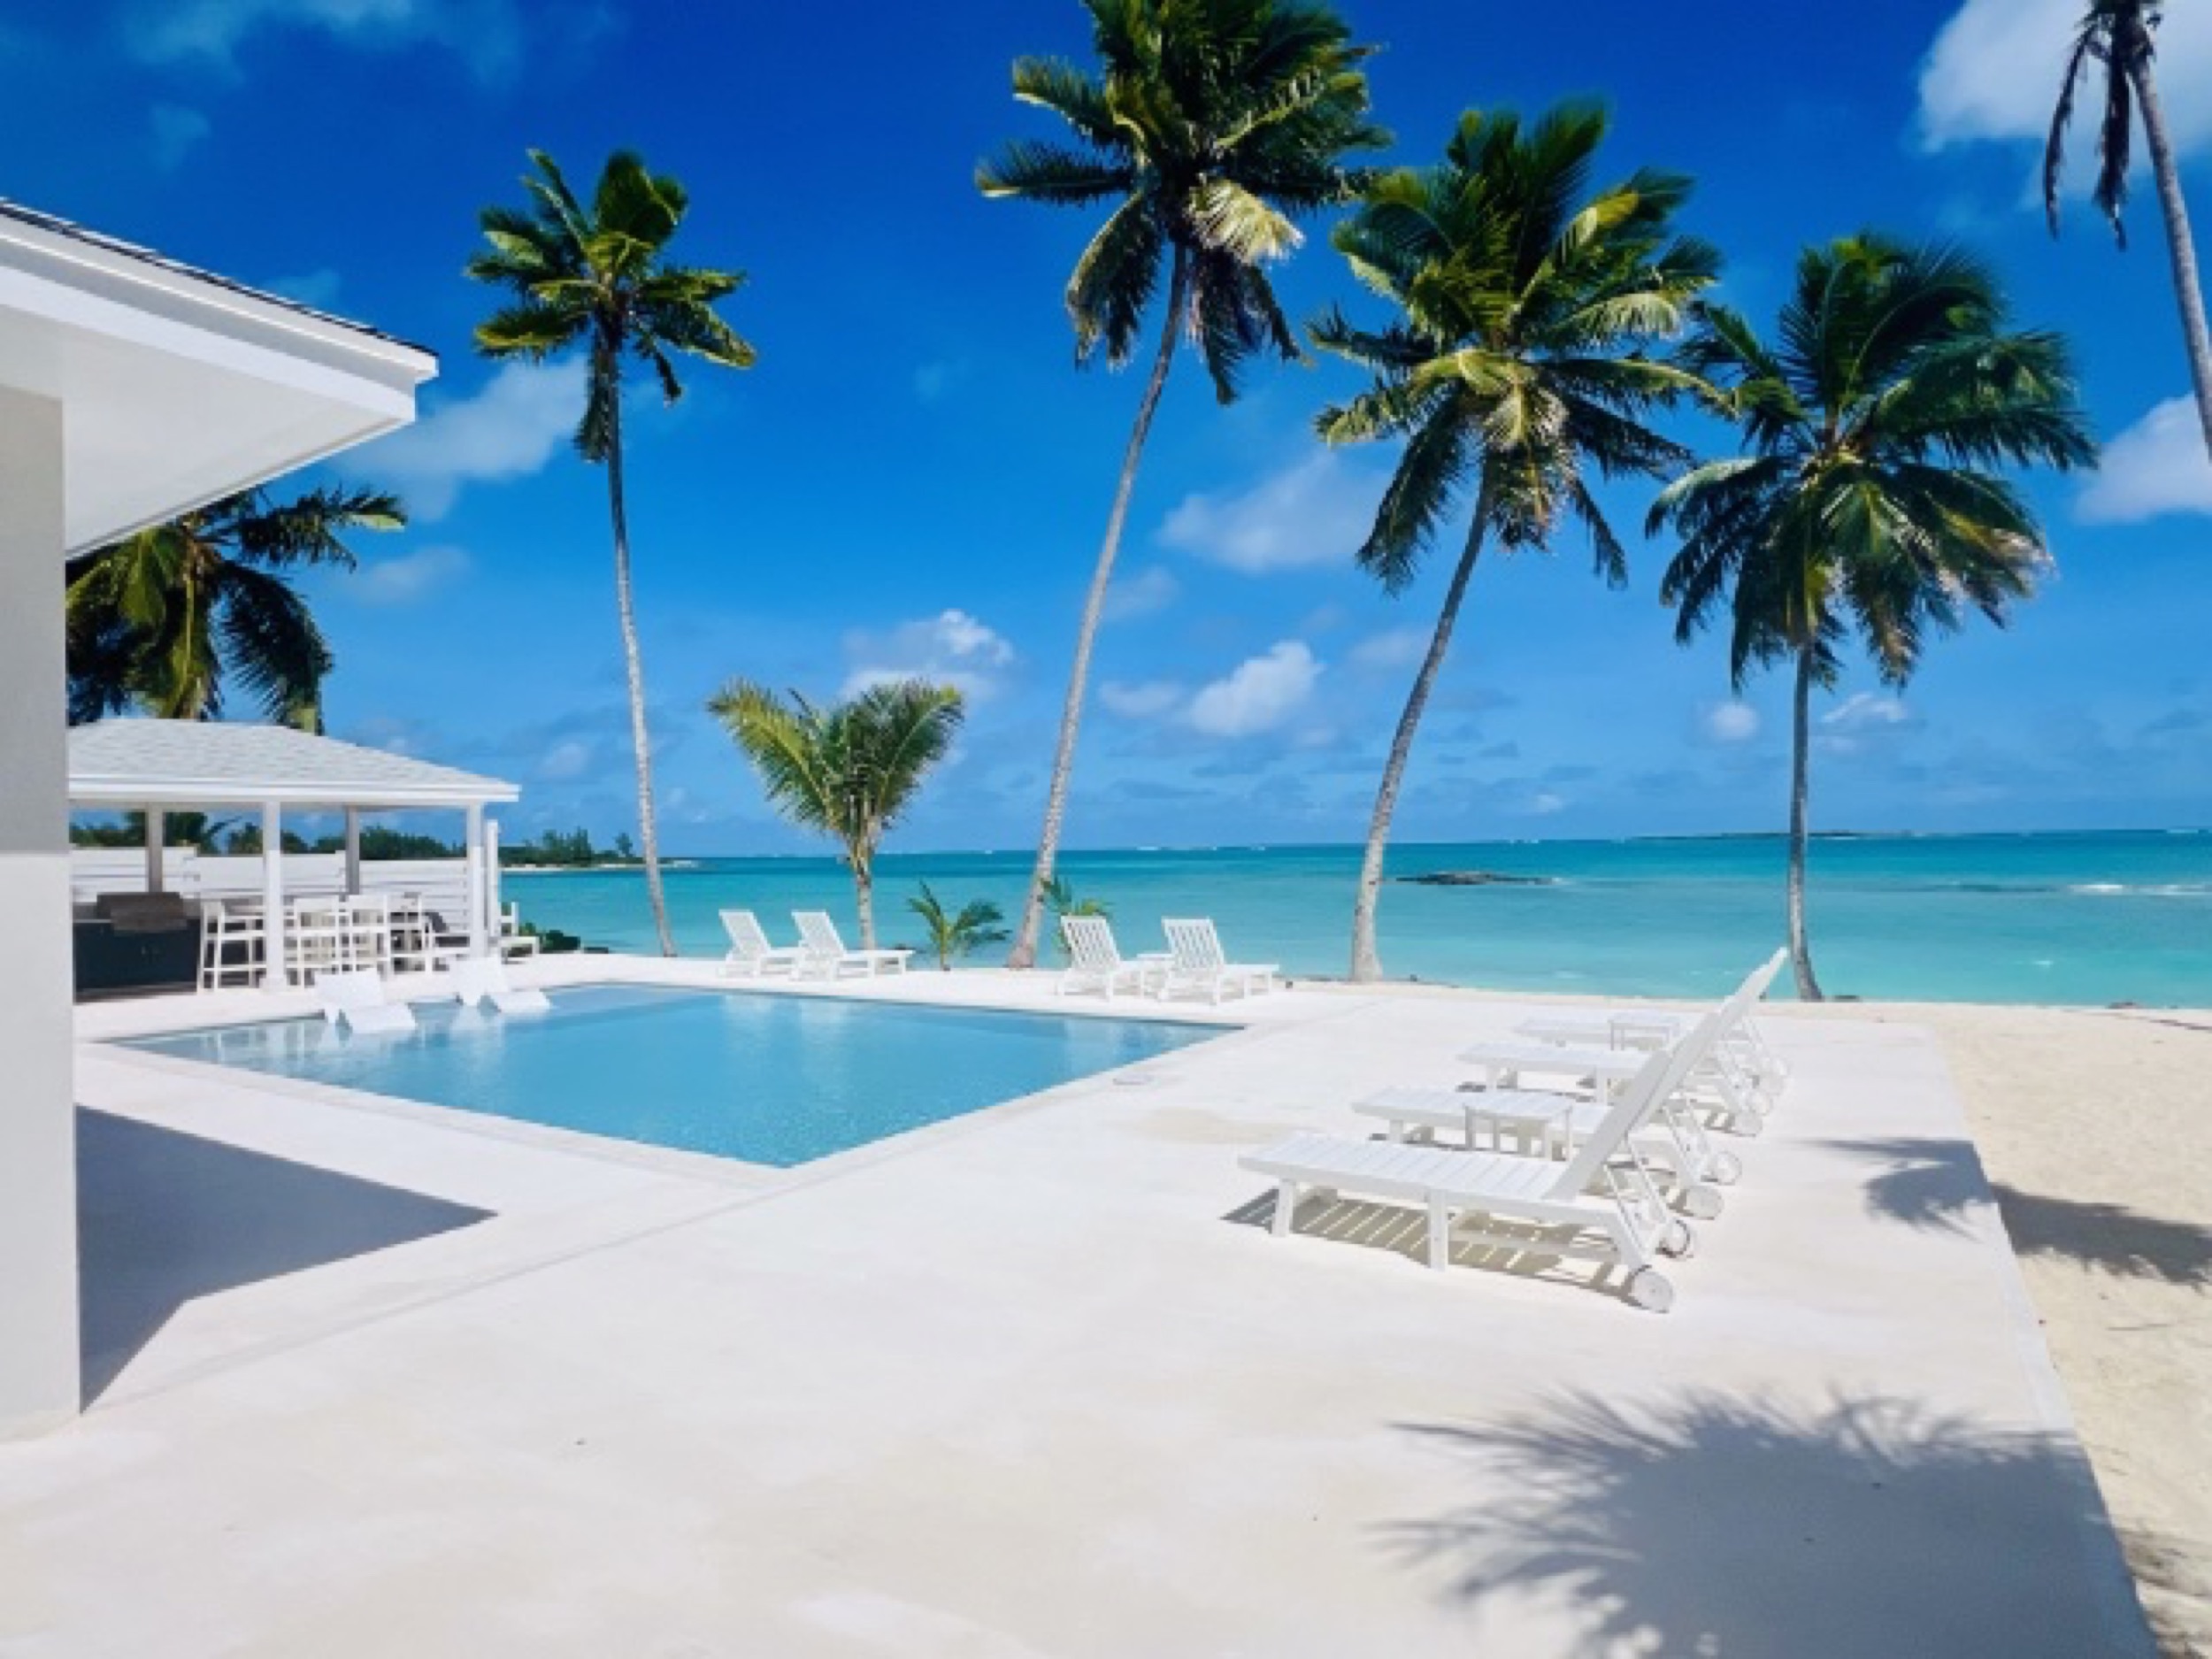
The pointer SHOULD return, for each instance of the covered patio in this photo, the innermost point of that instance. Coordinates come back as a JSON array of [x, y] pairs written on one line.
[[161, 766], [132, 388]]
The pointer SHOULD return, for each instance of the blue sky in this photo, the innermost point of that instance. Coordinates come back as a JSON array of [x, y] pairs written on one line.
[[915, 478]]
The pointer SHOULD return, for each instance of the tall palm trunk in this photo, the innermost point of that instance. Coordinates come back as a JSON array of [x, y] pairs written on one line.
[[2179, 247], [1366, 964], [1024, 952], [633, 666], [1801, 742], [865, 897]]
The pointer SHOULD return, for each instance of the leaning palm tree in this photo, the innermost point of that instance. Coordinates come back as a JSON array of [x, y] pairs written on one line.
[[2121, 35], [1869, 494], [848, 770], [1515, 370], [1212, 125], [599, 276], [160, 620]]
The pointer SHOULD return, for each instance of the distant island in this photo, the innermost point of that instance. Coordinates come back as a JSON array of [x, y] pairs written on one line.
[[1475, 879]]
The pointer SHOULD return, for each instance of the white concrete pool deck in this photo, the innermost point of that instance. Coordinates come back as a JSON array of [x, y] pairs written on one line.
[[374, 1379]]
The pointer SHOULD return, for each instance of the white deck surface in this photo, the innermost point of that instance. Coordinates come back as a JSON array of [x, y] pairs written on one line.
[[375, 1380]]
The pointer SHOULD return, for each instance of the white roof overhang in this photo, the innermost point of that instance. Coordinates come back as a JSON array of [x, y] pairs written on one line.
[[178, 763], [177, 387]]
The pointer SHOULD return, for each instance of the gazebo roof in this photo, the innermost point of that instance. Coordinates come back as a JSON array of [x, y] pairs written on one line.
[[172, 764]]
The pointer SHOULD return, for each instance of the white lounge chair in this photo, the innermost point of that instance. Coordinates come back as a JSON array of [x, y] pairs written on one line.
[[508, 937], [826, 952], [1742, 1043], [1196, 962], [751, 954], [1095, 962], [1598, 1205], [230, 944], [1549, 1123], [356, 999], [479, 980]]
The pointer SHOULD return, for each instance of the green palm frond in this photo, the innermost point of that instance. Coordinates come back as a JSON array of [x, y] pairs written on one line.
[[1218, 123]]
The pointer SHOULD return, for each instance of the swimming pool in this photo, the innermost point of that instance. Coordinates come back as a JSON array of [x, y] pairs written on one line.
[[772, 1080]]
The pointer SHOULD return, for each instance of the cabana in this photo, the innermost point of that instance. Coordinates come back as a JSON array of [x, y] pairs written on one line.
[[132, 388], [163, 766]]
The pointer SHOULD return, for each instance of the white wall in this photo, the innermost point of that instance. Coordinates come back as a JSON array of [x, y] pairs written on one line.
[[38, 1169]]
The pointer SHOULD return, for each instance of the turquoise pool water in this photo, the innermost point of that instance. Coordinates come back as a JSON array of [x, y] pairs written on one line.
[[779, 1081]]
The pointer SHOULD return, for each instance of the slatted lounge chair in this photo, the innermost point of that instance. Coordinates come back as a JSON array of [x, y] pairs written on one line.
[[479, 980], [1598, 1205], [751, 954], [1095, 962], [1742, 1043], [826, 952], [508, 937], [356, 998], [1197, 962], [1546, 1123], [230, 944]]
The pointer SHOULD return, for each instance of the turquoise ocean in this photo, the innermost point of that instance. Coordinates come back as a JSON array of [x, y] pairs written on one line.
[[2084, 919]]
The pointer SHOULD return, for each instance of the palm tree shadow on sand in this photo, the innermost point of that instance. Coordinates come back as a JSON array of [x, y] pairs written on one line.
[[1715, 1526], [1939, 1186]]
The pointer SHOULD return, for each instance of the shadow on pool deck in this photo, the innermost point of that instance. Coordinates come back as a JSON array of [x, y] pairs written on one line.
[[1709, 1524], [166, 1217]]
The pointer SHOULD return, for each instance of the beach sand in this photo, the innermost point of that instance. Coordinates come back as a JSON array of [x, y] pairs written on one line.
[[2092, 1126]]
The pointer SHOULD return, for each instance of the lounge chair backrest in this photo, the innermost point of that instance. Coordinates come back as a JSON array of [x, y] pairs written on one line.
[[747, 937], [1762, 976], [1196, 947], [819, 934], [475, 978], [339, 992], [1091, 947], [1660, 1075]]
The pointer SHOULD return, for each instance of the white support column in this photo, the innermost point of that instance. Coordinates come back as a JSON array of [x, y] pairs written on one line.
[[353, 852], [38, 1152], [473, 841], [491, 875], [156, 831], [273, 975]]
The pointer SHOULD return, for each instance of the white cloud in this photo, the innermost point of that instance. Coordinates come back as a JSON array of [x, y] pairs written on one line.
[[486, 34], [318, 288], [509, 430], [1544, 804], [1142, 700], [1316, 513], [1994, 72], [177, 134], [2158, 465], [1394, 648], [1258, 695], [1731, 723], [404, 579], [1866, 711], [951, 648], [570, 758], [1149, 591]]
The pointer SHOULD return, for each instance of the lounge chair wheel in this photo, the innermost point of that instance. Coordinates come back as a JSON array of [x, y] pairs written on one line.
[[1700, 1202], [1680, 1240], [1651, 1290], [1726, 1170]]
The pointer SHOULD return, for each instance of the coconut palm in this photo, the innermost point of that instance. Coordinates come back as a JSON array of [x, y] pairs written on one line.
[[1868, 498], [600, 277], [160, 620], [1514, 372], [2121, 34], [1212, 125], [848, 770], [956, 933]]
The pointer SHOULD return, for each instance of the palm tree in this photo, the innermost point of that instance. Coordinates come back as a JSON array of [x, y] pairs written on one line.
[[1867, 495], [850, 769], [600, 277], [159, 620], [1214, 124], [1516, 370], [2120, 34], [955, 934]]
